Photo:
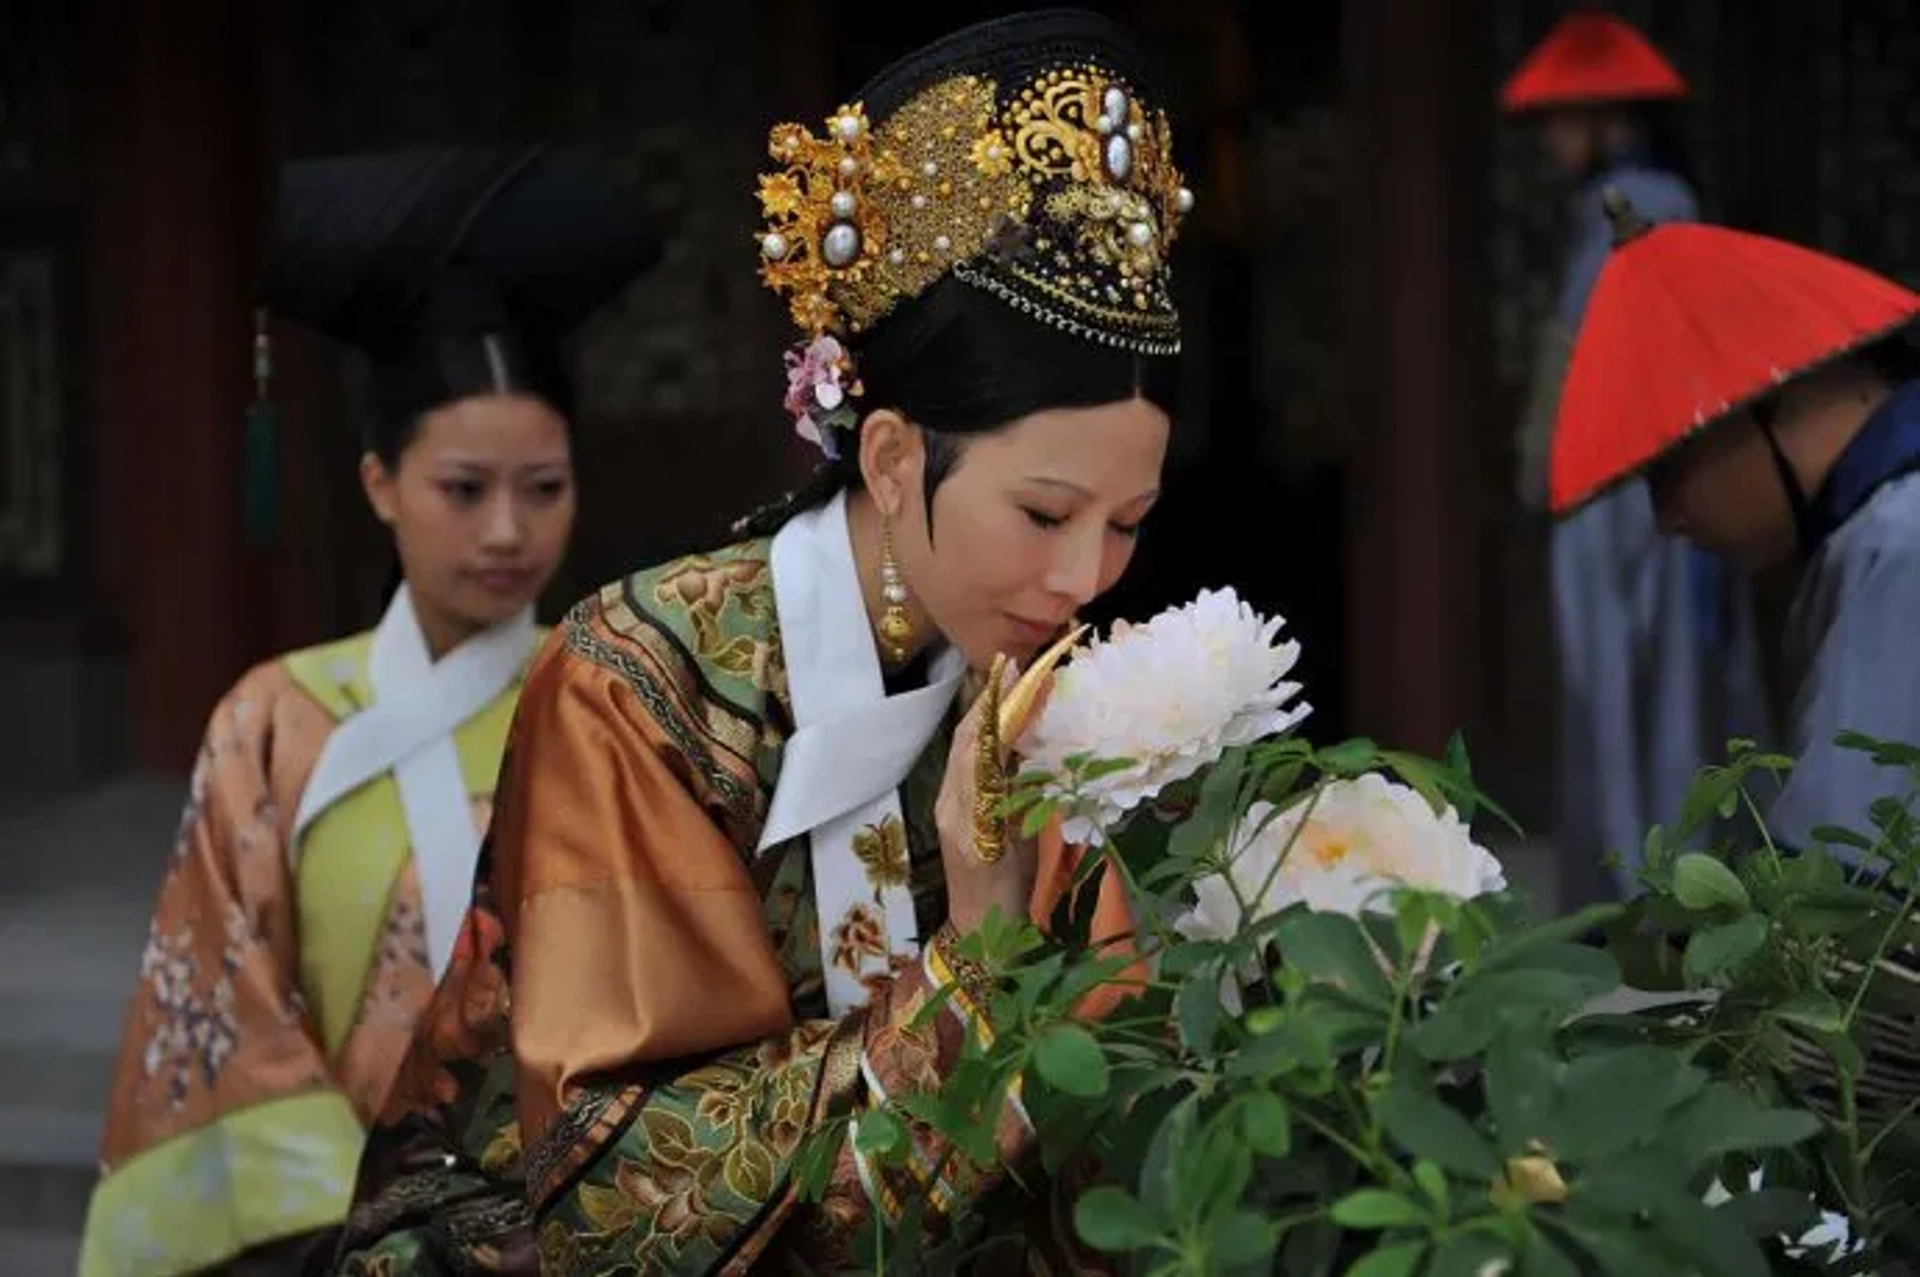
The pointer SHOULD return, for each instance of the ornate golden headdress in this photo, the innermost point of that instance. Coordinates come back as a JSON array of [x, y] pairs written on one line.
[[1021, 157]]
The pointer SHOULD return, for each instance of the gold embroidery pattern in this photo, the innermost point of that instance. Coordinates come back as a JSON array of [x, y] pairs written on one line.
[[861, 935], [702, 587], [1065, 202], [882, 850]]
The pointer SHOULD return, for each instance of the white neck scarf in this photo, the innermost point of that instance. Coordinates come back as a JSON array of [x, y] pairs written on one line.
[[418, 703], [852, 746]]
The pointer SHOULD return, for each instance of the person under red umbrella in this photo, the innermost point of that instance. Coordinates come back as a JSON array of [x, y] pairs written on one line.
[[1657, 659], [1770, 397]]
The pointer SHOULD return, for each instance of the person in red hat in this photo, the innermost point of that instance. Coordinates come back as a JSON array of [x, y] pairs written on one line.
[[1770, 396], [1654, 642]]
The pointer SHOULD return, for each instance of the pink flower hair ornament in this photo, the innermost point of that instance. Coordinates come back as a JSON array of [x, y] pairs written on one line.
[[821, 388]]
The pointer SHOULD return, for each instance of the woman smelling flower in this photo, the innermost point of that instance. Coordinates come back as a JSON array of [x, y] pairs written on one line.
[[704, 917]]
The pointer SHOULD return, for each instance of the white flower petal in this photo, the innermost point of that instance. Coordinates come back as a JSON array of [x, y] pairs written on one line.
[[1171, 695]]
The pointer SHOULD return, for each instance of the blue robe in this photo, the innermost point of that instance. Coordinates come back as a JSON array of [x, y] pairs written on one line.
[[1850, 634], [1659, 660]]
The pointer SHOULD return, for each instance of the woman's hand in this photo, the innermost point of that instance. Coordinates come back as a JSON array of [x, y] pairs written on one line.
[[987, 863]]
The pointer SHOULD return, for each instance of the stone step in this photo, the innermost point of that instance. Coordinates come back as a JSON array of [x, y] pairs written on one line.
[[32, 1253], [47, 1170]]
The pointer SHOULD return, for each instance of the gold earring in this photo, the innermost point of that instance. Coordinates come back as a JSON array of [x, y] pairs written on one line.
[[896, 627]]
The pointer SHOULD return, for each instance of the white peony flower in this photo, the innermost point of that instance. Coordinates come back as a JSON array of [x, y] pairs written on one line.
[[1358, 839], [1172, 695]]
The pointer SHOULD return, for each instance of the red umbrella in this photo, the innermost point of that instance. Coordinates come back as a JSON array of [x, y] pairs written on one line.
[[1591, 57], [1689, 323]]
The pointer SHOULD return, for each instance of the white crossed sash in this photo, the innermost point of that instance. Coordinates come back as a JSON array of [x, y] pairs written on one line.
[[852, 744], [418, 703]]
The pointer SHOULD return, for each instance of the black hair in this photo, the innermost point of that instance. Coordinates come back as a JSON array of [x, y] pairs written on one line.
[[452, 369], [466, 345], [1895, 358], [959, 363]]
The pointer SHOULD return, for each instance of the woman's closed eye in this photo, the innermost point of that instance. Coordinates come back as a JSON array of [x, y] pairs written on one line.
[[1047, 522], [463, 491]]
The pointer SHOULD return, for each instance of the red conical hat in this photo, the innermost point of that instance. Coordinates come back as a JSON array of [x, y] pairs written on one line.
[[1591, 57], [1688, 324]]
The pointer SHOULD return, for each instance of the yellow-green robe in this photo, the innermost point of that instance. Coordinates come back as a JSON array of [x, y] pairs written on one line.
[[277, 992]]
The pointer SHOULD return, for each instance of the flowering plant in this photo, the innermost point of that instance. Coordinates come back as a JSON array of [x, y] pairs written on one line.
[[1354, 1052], [820, 388]]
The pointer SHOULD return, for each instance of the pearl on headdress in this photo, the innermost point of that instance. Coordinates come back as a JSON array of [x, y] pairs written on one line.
[[930, 167], [897, 256], [941, 243], [848, 126], [843, 204], [1114, 103], [918, 200], [1119, 155], [774, 245], [1134, 131], [848, 166], [1103, 123], [1139, 234], [841, 244], [1183, 200]]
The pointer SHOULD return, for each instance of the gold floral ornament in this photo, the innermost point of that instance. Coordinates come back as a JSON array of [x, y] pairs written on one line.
[[1058, 195], [882, 849]]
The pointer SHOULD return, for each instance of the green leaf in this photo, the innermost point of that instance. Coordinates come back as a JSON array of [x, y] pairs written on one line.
[[1285, 1043], [1815, 1010], [1722, 1119], [1481, 1007], [1428, 1128], [1109, 1220], [1701, 882], [1331, 947], [1071, 1061], [1718, 950], [1376, 1208], [1215, 812], [1544, 1259], [1242, 1237], [1592, 1118], [1711, 1237], [1213, 1171], [1349, 757], [1165, 1154], [1100, 768], [1704, 799], [1521, 1080], [1620, 1250], [1433, 1182], [1772, 1212], [1265, 1123], [1839, 836], [879, 1134], [1469, 1255], [1399, 1260], [1514, 950], [1197, 1010]]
